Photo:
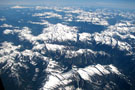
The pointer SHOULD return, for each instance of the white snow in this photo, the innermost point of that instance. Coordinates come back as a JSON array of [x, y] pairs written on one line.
[[94, 17], [3, 19], [43, 22], [18, 7], [54, 47], [55, 80], [48, 15], [58, 32], [84, 37], [114, 69], [6, 26], [84, 74], [7, 48], [7, 31]]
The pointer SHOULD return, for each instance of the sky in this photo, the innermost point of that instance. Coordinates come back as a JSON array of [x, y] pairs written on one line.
[[87, 3]]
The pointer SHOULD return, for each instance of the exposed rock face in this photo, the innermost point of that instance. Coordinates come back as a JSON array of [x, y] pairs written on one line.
[[75, 50]]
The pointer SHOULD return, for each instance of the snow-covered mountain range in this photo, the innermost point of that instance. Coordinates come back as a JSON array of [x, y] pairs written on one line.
[[54, 48]]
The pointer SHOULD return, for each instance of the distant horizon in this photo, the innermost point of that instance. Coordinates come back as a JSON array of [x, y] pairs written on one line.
[[121, 4]]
